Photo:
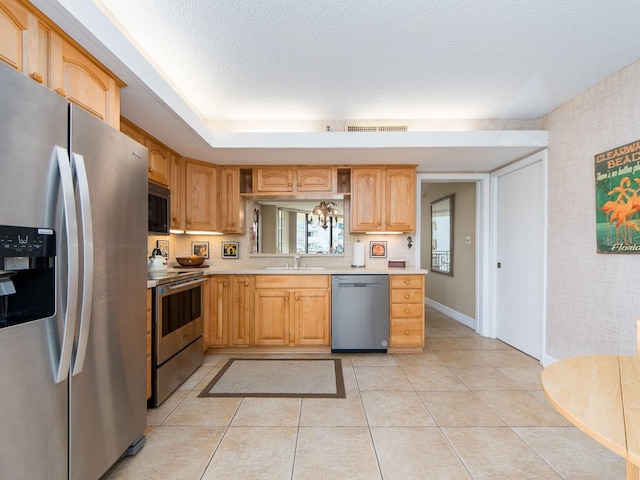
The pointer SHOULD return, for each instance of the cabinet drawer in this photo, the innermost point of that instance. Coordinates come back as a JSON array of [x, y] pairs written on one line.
[[407, 332], [406, 310], [406, 296], [406, 281], [292, 281]]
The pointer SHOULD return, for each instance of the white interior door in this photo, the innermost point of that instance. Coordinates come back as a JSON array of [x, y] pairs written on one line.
[[520, 254]]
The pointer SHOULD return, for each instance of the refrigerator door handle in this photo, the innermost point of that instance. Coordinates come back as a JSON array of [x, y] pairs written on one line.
[[71, 230], [86, 240]]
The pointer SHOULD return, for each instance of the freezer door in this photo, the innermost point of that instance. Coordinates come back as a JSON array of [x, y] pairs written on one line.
[[108, 401], [33, 409]]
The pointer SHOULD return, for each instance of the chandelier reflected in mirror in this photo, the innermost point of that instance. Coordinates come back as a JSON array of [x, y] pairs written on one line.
[[326, 213]]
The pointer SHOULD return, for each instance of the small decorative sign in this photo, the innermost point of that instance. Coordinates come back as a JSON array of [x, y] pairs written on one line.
[[618, 199], [378, 249], [201, 249], [230, 249]]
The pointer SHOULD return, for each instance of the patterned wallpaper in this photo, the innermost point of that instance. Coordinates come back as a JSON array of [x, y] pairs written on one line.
[[593, 300]]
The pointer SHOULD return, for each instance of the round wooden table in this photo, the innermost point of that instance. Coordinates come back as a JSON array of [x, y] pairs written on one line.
[[600, 394]]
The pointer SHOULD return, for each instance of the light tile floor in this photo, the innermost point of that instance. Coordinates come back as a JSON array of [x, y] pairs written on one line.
[[467, 408]]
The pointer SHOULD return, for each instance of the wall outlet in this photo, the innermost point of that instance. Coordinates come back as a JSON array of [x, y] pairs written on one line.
[[351, 239], [467, 239]]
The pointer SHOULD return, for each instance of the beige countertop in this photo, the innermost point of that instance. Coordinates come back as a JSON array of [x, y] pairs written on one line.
[[309, 270]]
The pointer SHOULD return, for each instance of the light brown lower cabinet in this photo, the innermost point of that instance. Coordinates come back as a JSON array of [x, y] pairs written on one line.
[[149, 319], [292, 310], [295, 310], [407, 311], [230, 311]]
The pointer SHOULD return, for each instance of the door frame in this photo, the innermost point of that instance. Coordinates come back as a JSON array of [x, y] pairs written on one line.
[[483, 299], [525, 162]]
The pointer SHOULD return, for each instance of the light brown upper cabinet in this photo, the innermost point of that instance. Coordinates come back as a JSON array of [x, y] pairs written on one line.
[[296, 179], [15, 35], [201, 196], [231, 204], [383, 199], [159, 163], [85, 84], [33, 45], [160, 156], [177, 187], [26, 43]]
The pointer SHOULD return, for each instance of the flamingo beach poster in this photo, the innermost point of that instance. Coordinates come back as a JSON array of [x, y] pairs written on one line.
[[618, 199]]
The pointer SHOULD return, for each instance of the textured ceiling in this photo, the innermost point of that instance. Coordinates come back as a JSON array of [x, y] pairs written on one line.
[[373, 59]]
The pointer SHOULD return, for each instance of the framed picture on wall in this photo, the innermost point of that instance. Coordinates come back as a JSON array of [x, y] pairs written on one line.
[[378, 249], [163, 245], [230, 249], [201, 249]]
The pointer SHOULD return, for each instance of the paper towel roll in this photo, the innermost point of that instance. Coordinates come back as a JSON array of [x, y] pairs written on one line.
[[358, 255]]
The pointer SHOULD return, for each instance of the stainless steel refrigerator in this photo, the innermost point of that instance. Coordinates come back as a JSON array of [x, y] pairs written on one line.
[[73, 235]]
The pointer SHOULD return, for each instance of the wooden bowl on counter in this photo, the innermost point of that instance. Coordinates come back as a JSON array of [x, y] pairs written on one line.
[[192, 261]]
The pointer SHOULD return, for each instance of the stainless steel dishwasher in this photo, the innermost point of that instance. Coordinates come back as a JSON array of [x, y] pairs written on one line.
[[359, 313]]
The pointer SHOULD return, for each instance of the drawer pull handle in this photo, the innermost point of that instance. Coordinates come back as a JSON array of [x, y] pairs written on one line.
[[407, 296], [407, 332], [406, 310]]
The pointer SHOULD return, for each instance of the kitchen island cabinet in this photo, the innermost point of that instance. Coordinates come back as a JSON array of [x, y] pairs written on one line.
[[292, 310], [265, 311], [407, 312], [230, 311]]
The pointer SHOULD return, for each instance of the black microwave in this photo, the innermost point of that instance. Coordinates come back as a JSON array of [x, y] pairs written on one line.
[[159, 209]]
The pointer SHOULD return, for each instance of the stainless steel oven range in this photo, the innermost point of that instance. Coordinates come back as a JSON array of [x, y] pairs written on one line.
[[177, 348]]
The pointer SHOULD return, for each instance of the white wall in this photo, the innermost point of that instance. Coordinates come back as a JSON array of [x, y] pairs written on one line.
[[593, 300]]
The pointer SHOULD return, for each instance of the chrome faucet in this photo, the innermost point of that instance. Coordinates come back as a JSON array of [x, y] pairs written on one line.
[[296, 262]]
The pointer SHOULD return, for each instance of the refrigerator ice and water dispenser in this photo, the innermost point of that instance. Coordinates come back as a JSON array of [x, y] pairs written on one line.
[[27, 274]]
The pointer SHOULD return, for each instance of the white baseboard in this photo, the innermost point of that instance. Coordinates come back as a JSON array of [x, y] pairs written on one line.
[[547, 360], [449, 312]]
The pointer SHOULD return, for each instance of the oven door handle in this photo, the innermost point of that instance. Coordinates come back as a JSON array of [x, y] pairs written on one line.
[[188, 284]]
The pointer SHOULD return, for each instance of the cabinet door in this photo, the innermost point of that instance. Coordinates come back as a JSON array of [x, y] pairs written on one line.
[[231, 205], [274, 180], [400, 199], [241, 309], [219, 311], [85, 84], [149, 320], [311, 317], [177, 188], [159, 163], [271, 325], [201, 197], [13, 34], [24, 41], [313, 179], [366, 199]]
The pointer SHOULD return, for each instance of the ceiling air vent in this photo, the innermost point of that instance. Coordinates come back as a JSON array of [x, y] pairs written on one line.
[[376, 128]]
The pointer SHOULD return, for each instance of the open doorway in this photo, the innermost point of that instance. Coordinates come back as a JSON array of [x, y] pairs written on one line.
[[462, 296]]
